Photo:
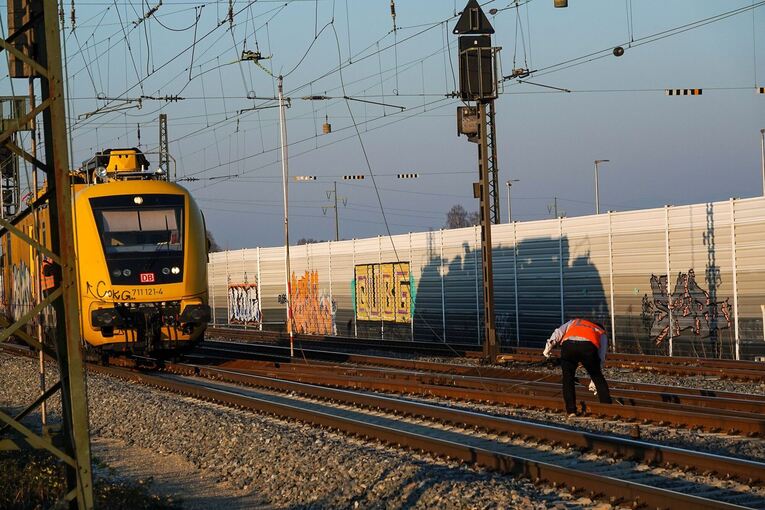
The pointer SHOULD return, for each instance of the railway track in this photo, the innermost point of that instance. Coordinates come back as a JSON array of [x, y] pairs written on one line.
[[731, 413], [615, 468], [358, 344], [598, 465], [683, 366]]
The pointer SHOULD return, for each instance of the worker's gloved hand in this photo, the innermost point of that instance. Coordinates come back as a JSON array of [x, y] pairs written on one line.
[[547, 351], [592, 388]]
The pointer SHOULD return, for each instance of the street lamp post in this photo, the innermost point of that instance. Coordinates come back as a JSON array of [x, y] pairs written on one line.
[[509, 213], [597, 184]]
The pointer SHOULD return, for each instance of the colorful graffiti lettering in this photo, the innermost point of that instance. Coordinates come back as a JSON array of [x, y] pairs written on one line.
[[382, 291], [690, 307], [313, 311], [243, 304], [22, 300]]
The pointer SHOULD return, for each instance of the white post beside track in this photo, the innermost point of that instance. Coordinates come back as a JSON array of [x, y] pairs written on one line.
[[443, 295], [259, 293], [515, 285], [560, 270], [735, 276], [411, 301], [611, 280], [476, 249], [669, 276]]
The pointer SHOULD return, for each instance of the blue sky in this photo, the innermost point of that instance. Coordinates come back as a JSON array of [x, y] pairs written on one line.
[[662, 149]]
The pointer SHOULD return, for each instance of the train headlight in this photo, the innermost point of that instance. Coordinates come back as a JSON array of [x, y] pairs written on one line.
[[126, 272], [176, 270], [165, 270], [138, 200], [101, 172], [116, 272]]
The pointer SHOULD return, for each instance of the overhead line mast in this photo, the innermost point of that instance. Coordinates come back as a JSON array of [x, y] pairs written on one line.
[[478, 84], [35, 50]]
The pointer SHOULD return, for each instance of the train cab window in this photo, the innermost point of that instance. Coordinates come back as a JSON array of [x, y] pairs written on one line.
[[142, 230], [153, 226], [142, 237]]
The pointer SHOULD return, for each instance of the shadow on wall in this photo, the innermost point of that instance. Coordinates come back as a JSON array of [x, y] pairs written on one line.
[[537, 263]]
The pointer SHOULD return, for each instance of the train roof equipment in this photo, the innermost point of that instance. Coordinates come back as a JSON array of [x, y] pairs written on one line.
[[120, 164]]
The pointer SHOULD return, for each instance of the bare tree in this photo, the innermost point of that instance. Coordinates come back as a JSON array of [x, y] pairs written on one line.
[[458, 217], [307, 240], [212, 244]]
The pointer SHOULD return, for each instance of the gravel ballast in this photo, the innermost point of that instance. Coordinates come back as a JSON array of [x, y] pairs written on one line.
[[286, 464]]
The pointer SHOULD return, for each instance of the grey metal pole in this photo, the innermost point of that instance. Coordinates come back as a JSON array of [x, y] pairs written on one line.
[[285, 176], [509, 212], [337, 221], [762, 158], [597, 184], [490, 345], [597, 191]]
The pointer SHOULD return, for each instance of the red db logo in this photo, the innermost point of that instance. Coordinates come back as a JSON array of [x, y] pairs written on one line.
[[147, 277]]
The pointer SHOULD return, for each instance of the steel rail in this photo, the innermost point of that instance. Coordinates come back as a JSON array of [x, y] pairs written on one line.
[[671, 360], [677, 367], [549, 387], [645, 412], [749, 471], [502, 462], [472, 350], [634, 450], [449, 350], [668, 414], [227, 350]]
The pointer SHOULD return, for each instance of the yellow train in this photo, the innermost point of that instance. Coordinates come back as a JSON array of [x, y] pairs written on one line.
[[142, 258]]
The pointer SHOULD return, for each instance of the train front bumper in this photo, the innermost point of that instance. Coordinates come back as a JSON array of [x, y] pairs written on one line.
[[132, 315]]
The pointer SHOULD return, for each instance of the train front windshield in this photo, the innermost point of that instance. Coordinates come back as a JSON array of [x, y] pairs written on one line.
[[142, 237], [141, 231]]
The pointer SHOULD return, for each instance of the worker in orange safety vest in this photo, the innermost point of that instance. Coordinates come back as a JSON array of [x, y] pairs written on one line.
[[584, 342]]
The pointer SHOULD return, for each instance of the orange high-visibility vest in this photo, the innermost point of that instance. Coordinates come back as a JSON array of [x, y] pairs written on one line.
[[586, 330]]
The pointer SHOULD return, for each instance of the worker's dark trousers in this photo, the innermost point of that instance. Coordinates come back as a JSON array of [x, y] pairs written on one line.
[[573, 352]]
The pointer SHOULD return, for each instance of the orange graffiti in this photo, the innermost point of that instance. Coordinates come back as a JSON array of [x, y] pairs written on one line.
[[312, 309]]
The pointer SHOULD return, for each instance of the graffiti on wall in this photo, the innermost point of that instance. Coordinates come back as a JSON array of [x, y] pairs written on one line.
[[22, 296], [382, 292], [22, 299], [313, 310], [243, 304], [692, 310]]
